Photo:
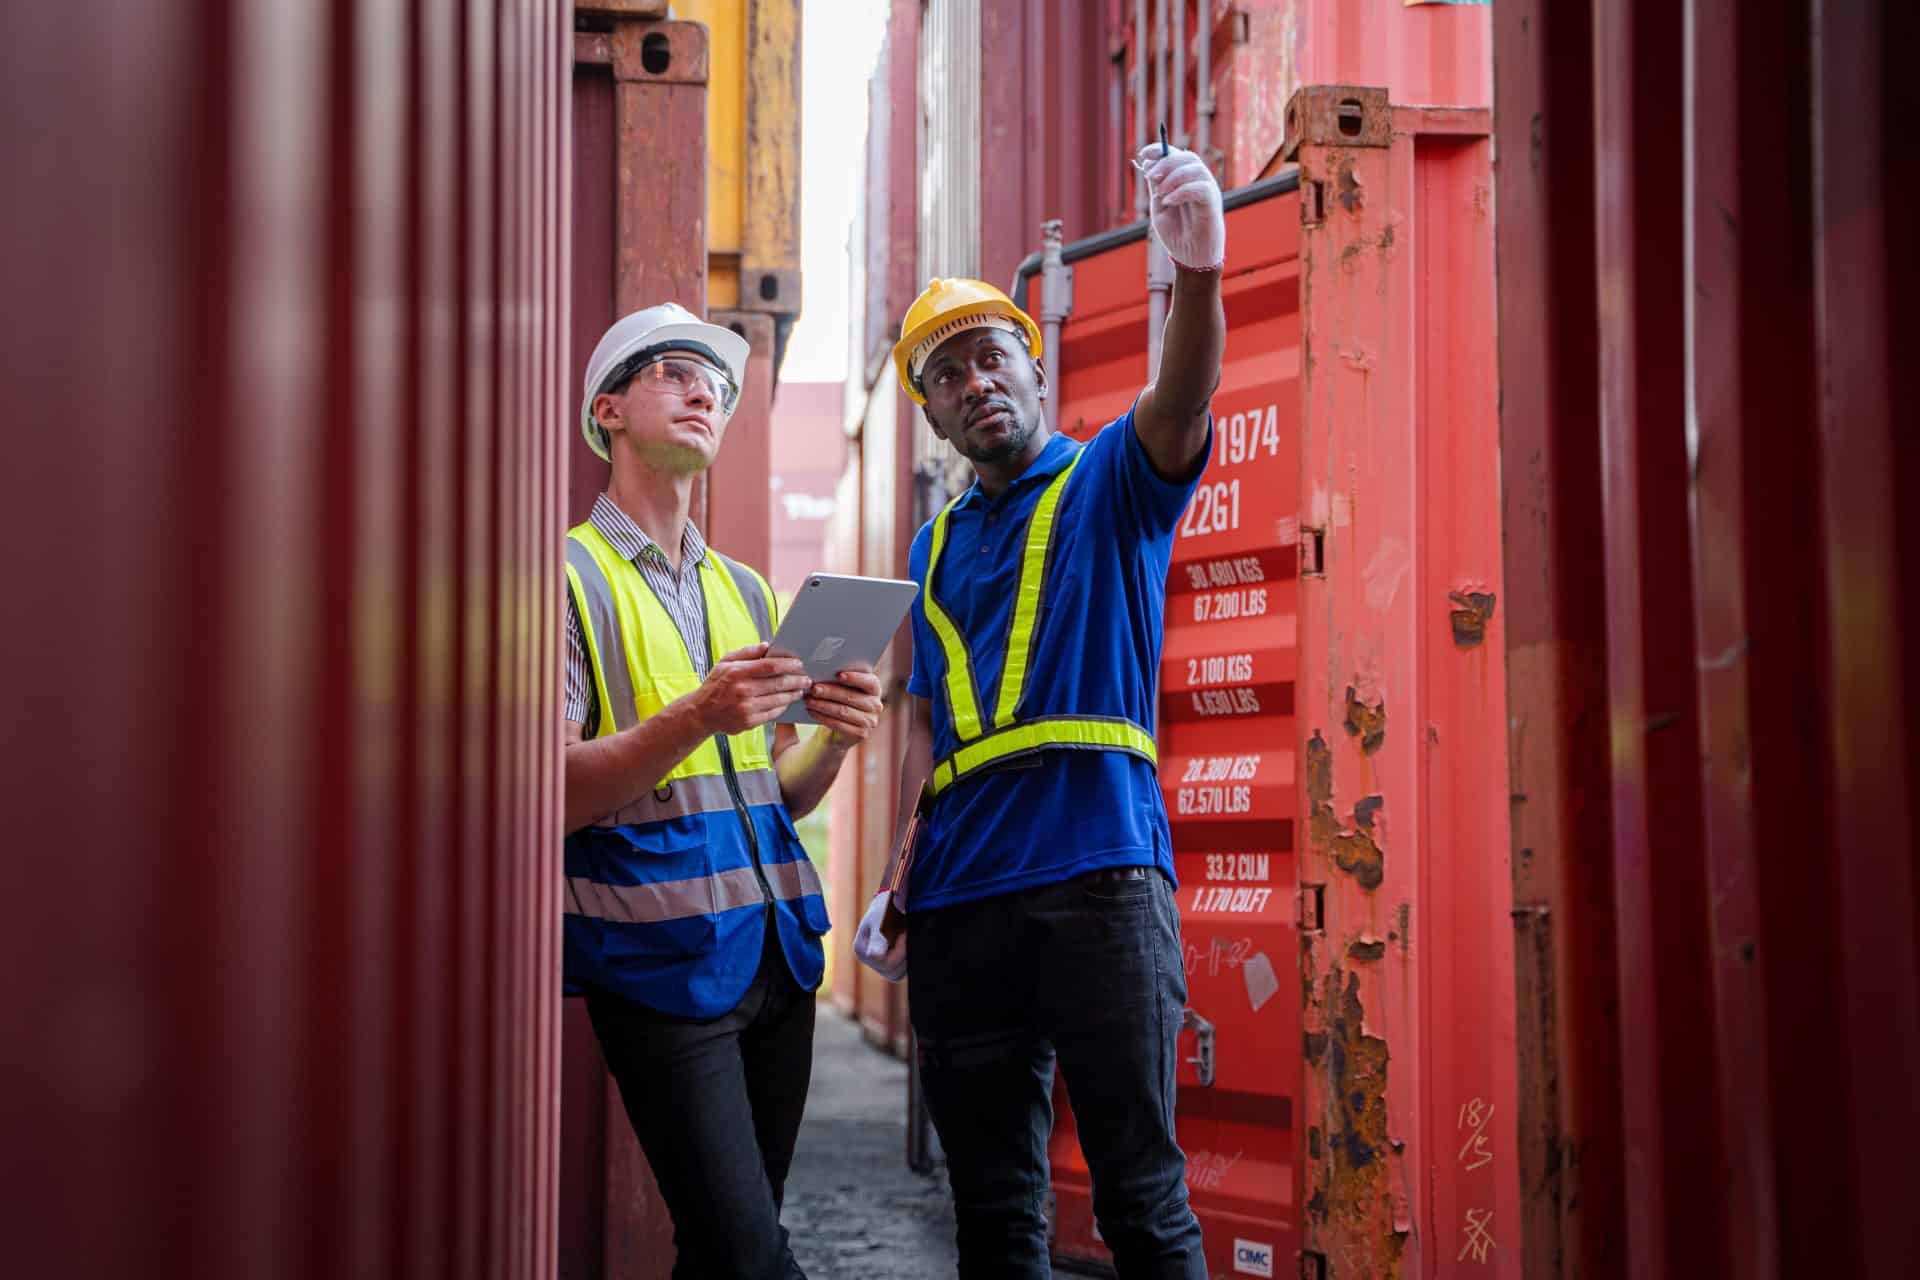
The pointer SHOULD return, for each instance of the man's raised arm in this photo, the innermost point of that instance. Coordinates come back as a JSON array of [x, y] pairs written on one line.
[[1171, 419]]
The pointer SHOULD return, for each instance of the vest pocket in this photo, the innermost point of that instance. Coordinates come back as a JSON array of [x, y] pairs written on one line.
[[671, 906]]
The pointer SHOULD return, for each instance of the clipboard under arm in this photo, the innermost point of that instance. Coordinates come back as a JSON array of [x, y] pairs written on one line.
[[893, 882]]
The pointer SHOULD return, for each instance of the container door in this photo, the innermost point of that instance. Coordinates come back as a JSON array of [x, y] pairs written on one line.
[[1227, 740]]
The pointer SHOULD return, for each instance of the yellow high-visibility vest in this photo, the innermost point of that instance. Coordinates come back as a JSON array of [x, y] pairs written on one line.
[[990, 736], [652, 667]]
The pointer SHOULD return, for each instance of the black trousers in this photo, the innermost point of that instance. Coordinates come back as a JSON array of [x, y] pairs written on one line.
[[717, 1107], [1089, 973]]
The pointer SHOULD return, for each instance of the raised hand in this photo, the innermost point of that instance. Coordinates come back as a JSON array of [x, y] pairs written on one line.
[[1184, 207]]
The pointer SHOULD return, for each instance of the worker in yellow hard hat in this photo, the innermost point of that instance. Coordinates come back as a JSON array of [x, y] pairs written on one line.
[[1041, 923], [693, 915]]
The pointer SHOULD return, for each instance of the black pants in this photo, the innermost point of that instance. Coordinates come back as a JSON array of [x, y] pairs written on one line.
[[717, 1106], [1089, 972]]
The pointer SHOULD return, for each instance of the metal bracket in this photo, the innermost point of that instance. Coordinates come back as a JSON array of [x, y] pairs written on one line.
[[775, 289], [1337, 115], [1056, 277], [1203, 1044]]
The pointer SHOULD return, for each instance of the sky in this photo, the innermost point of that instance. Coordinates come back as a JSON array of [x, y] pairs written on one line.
[[839, 42]]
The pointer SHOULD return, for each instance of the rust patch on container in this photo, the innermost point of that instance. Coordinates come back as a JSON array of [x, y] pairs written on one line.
[[1374, 950], [1387, 235], [1472, 611], [1322, 827], [1353, 1184], [1354, 851], [1366, 719]]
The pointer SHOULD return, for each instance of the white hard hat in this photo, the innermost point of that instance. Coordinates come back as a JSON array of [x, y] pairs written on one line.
[[667, 327]]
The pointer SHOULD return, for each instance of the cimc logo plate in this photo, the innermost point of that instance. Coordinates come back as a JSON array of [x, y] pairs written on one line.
[[1252, 1258]]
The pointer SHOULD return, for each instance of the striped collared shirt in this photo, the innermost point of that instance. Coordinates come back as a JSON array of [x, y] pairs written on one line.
[[679, 592]]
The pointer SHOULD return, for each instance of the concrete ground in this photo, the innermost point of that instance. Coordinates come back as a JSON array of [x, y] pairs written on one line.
[[853, 1207]]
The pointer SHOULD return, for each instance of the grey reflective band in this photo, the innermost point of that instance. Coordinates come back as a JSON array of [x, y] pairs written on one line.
[[702, 793], [796, 879], [680, 899], [667, 900], [752, 592], [602, 621]]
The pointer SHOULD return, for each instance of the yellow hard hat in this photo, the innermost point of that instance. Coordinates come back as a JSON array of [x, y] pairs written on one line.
[[943, 309]]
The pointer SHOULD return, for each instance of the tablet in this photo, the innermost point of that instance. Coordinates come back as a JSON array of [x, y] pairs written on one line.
[[836, 622]]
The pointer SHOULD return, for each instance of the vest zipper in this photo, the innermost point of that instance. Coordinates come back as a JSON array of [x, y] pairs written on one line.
[[746, 818]]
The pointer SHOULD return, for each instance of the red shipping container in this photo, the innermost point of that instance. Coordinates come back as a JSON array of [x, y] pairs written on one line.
[[1331, 720], [1707, 266], [286, 393]]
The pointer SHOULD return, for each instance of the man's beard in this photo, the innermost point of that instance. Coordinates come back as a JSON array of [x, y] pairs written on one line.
[[1019, 435]]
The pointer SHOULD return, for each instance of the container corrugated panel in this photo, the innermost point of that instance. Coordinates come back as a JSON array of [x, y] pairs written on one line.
[[847, 888], [884, 511], [1227, 736], [1706, 272], [284, 347]]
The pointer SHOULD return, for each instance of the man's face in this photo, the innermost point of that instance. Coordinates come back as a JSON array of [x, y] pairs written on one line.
[[668, 414], [983, 394]]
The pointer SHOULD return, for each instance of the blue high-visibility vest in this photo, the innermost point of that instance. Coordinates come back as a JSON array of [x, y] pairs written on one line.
[[667, 900]]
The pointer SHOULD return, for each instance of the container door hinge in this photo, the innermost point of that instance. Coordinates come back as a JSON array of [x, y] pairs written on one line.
[[1313, 908], [1313, 1266], [1313, 552], [1313, 202]]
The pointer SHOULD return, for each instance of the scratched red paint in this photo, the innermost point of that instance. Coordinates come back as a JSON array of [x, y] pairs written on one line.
[[1408, 834]]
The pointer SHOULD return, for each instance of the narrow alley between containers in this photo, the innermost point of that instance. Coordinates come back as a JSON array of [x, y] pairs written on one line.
[[853, 1206], [1380, 533]]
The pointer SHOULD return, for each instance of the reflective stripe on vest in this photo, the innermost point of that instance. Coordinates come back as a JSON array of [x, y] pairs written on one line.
[[678, 899], [1006, 737]]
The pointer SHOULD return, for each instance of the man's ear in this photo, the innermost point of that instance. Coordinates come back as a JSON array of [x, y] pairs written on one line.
[[607, 410], [1040, 376], [927, 410]]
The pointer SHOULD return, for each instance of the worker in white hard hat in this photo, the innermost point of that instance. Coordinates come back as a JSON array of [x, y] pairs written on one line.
[[693, 916], [1041, 927]]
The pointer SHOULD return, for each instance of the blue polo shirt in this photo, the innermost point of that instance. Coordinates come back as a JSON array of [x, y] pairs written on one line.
[[1097, 652]]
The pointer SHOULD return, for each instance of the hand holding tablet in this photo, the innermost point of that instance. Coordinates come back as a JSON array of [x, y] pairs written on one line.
[[835, 624]]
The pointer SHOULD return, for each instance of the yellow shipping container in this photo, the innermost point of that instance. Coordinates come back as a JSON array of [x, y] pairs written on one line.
[[753, 155]]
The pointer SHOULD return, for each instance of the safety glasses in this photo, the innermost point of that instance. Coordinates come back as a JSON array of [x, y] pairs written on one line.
[[678, 375]]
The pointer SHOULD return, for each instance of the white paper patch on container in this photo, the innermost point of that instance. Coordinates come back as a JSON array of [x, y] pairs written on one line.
[[1262, 983]]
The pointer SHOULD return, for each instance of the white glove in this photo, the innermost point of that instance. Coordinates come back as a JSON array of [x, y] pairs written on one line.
[[1183, 201], [870, 945]]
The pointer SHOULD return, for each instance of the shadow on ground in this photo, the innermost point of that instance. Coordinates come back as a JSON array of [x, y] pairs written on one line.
[[853, 1207]]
